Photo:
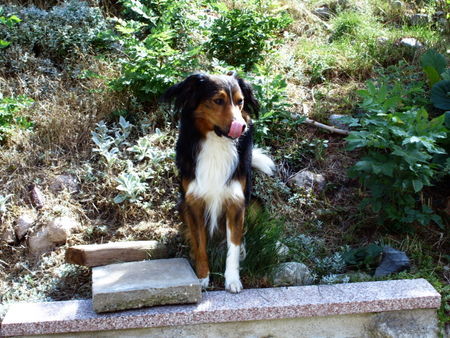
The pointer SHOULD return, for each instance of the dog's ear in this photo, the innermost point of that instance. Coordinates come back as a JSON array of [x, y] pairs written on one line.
[[251, 104], [186, 94]]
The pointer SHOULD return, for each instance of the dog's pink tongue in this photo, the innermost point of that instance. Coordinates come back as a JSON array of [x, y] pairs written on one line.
[[236, 129]]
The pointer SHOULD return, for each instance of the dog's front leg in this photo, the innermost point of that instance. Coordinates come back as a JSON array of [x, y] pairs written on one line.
[[235, 227], [195, 219]]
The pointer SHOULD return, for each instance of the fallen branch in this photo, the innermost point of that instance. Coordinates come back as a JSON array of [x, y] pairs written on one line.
[[326, 127], [115, 252]]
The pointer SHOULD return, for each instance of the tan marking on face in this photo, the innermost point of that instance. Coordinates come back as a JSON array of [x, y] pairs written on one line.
[[220, 110]]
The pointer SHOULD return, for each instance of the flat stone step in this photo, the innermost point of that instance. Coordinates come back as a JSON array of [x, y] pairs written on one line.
[[256, 305], [133, 285]]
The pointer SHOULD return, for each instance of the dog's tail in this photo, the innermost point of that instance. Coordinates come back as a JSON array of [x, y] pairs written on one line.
[[262, 162]]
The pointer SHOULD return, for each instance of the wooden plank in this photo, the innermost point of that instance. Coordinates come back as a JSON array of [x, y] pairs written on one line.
[[115, 252]]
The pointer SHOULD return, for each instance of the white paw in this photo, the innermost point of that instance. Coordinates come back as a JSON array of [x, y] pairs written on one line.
[[233, 285], [204, 282]]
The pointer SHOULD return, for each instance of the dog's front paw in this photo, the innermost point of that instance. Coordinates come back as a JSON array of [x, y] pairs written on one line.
[[204, 282], [233, 285]]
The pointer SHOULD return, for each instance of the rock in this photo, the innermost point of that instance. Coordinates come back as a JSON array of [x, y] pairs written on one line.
[[323, 12], [397, 4], [60, 228], [396, 324], [410, 42], [39, 242], [382, 40], [23, 224], [335, 120], [64, 182], [292, 273], [282, 249], [9, 236], [393, 261], [37, 197], [308, 180], [147, 283], [418, 19]]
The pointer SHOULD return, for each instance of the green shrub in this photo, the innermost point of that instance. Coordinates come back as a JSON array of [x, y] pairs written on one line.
[[241, 36], [400, 142], [55, 33], [156, 56], [9, 21], [347, 24], [9, 119], [274, 118]]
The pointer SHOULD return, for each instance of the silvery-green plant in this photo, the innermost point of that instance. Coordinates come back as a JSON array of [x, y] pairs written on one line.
[[334, 279], [131, 185], [4, 203], [109, 141], [145, 148], [65, 28], [332, 264]]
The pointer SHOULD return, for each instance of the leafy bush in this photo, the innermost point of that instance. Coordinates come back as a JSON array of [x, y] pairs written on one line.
[[9, 107], [154, 61], [400, 142], [346, 25], [241, 36], [9, 21], [57, 32], [274, 117]]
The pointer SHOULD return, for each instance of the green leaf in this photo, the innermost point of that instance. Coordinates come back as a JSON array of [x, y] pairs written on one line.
[[119, 198], [432, 75], [417, 185], [446, 74], [440, 95], [433, 59], [447, 119], [4, 44]]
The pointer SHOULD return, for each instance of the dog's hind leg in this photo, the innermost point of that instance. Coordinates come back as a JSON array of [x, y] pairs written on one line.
[[235, 226], [194, 217]]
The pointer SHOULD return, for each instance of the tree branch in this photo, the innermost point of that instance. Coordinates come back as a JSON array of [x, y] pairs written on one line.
[[326, 127]]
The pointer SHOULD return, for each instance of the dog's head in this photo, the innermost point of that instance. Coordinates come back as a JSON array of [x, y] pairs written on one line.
[[220, 103]]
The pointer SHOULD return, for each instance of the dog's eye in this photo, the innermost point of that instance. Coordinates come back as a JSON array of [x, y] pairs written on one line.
[[240, 101], [219, 101]]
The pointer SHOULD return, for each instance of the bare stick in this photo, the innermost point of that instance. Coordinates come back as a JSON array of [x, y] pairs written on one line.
[[326, 127], [115, 252]]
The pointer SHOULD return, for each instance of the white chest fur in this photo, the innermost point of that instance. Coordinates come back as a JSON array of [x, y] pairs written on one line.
[[216, 162]]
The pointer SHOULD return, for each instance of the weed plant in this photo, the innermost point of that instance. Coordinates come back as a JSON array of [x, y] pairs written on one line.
[[9, 117]]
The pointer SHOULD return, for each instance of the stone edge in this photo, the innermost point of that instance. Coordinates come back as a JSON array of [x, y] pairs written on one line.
[[229, 309]]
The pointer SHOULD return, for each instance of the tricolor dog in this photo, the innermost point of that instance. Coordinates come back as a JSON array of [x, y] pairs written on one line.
[[215, 156]]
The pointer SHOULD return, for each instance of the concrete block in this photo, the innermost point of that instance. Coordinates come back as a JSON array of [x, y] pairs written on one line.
[[146, 283]]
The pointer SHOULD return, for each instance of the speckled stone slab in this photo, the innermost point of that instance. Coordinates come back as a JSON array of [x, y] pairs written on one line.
[[221, 306], [134, 285]]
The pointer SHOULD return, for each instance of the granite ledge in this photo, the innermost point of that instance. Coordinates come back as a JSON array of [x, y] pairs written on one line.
[[220, 306]]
